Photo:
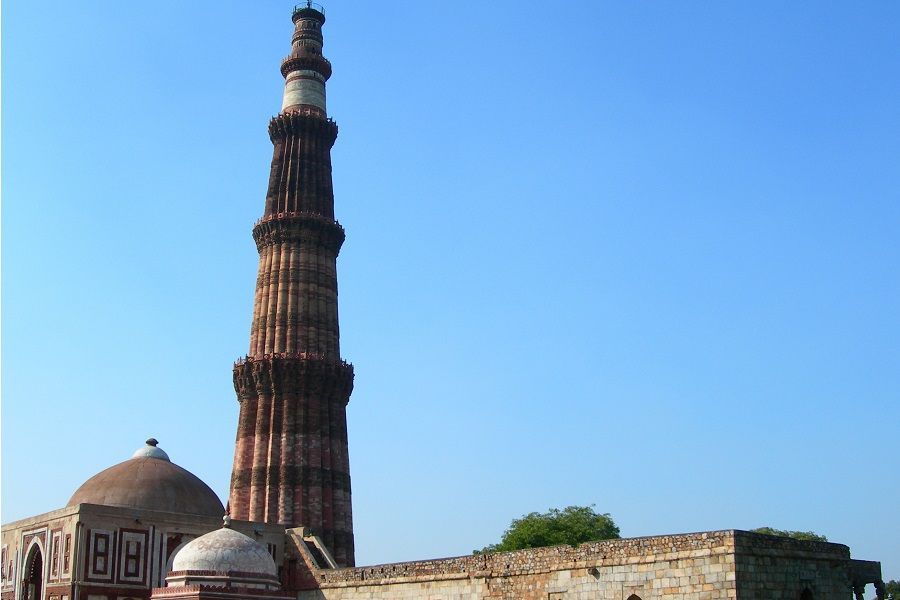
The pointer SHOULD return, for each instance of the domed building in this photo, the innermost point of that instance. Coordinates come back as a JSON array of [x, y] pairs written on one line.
[[150, 481], [223, 564], [120, 533], [224, 556]]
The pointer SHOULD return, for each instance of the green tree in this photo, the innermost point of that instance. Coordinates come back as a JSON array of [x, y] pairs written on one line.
[[892, 590], [808, 536], [572, 525]]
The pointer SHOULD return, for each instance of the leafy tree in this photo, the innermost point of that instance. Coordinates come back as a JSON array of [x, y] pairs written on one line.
[[892, 589], [807, 536], [571, 525]]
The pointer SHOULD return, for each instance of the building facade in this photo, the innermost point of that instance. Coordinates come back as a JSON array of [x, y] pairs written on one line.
[[118, 535]]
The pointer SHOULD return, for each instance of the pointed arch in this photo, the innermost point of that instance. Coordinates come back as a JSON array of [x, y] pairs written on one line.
[[33, 572], [634, 597]]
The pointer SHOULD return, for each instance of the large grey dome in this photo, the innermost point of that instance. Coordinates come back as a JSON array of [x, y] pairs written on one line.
[[225, 551], [150, 481]]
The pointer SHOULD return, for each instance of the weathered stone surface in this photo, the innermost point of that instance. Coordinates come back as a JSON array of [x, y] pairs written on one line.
[[225, 551], [291, 463], [702, 566], [150, 483]]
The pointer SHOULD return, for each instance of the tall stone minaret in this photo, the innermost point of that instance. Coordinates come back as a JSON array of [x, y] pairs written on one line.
[[290, 461]]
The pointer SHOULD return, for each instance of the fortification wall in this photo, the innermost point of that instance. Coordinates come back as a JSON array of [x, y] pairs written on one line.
[[691, 566], [699, 566], [774, 568]]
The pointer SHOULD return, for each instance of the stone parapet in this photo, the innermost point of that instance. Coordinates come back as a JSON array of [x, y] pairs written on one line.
[[607, 553], [301, 373], [299, 228], [759, 544], [306, 60], [303, 120]]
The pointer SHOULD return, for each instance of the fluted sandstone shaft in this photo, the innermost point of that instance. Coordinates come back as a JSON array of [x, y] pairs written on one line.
[[291, 463]]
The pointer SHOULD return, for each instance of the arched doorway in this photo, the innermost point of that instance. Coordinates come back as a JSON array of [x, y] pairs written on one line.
[[806, 594], [33, 580]]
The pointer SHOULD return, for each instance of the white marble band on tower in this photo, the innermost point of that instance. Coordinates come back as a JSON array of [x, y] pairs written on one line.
[[304, 87]]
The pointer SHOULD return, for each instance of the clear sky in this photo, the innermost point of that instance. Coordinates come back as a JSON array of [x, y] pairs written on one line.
[[642, 255]]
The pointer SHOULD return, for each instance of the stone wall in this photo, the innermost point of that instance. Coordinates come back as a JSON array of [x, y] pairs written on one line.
[[689, 567], [778, 568], [699, 566]]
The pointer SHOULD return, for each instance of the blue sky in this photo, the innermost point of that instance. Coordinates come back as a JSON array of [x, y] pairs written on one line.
[[638, 255]]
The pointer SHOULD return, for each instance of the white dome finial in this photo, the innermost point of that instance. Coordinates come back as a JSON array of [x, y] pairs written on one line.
[[150, 450]]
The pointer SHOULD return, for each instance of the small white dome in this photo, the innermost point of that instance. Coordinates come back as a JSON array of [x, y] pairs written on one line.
[[225, 551], [151, 451]]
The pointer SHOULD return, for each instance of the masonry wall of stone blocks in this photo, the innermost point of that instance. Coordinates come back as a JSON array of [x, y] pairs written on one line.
[[688, 567], [774, 568], [701, 566]]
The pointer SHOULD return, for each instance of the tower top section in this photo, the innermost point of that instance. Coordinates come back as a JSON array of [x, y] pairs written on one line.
[[305, 70], [309, 10]]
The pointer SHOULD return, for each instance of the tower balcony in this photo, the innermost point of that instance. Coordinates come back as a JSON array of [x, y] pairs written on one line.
[[299, 227], [308, 10], [308, 61]]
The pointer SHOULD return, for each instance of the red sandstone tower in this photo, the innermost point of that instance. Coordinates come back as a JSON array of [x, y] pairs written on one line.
[[291, 462]]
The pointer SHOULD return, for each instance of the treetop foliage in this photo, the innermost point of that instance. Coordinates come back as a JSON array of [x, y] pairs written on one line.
[[807, 536], [572, 525]]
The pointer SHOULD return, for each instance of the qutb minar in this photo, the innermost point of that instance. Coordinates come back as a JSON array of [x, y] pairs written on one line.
[[148, 529], [291, 463]]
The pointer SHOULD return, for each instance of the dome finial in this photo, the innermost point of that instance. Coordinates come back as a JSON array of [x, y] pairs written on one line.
[[226, 521], [150, 450]]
